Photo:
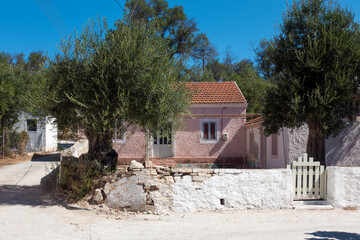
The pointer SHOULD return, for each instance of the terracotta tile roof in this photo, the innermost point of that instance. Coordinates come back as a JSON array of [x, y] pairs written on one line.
[[254, 121], [216, 92]]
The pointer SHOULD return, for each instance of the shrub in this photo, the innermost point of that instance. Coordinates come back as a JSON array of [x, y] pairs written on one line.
[[77, 177]]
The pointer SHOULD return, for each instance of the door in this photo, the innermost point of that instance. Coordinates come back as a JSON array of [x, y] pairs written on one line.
[[163, 144]]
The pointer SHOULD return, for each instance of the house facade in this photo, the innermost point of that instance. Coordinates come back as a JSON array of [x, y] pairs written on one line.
[[266, 151], [42, 132], [213, 134]]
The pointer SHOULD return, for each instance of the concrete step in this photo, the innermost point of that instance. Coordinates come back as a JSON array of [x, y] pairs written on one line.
[[312, 205]]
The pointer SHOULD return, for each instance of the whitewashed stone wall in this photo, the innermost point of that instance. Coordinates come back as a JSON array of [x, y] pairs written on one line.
[[343, 186], [343, 150], [200, 190], [80, 147]]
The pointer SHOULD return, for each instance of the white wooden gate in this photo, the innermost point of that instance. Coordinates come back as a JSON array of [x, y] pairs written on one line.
[[309, 179]]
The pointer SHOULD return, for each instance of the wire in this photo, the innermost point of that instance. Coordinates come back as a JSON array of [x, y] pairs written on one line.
[[119, 5], [57, 16], [50, 19]]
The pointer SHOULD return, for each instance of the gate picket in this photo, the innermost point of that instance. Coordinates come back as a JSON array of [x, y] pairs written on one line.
[[309, 179]]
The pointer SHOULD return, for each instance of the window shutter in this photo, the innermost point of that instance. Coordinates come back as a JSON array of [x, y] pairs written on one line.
[[213, 130], [206, 131]]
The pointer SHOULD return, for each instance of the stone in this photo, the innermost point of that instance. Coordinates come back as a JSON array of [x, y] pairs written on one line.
[[181, 170], [98, 198], [169, 179], [198, 179], [162, 168], [135, 165], [201, 170]]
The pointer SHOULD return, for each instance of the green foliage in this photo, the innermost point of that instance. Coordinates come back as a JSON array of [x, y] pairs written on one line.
[[181, 34], [20, 85], [104, 75], [243, 72], [313, 61], [23, 140]]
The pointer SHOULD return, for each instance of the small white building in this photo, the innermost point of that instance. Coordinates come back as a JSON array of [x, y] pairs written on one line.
[[43, 133]]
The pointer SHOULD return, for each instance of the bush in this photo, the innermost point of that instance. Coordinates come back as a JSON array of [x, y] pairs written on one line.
[[22, 142], [77, 177]]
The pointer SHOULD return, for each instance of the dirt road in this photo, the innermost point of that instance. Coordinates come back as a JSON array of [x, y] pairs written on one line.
[[27, 213]]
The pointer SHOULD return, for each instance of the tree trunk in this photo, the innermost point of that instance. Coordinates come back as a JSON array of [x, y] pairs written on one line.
[[316, 142], [100, 150], [147, 147]]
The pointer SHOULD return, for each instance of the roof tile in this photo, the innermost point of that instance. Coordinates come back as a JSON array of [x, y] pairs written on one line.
[[216, 92]]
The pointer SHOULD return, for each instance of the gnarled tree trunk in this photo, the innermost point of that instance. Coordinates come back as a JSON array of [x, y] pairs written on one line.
[[100, 150], [316, 142]]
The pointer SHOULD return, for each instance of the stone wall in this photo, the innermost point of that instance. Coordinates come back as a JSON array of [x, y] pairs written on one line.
[[80, 147], [343, 186], [184, 189], [343, 150]]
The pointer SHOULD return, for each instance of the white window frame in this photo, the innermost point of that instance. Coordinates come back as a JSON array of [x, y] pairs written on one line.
[[217, 132]]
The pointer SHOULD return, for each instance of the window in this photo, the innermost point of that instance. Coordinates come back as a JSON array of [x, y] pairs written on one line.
[[209, 130], [163, 137], [31, 125], [274, 144], [119, 133]]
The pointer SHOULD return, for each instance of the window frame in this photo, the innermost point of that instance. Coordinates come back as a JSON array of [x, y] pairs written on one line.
[[202, 129], [35, 123], [123, 127]]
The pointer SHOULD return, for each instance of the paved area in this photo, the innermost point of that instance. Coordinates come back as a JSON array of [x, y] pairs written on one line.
[[26, 212]]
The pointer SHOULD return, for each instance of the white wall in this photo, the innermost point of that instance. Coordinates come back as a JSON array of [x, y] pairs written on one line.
[[51, 135], [343, 186], [239, 189], [45, 138]]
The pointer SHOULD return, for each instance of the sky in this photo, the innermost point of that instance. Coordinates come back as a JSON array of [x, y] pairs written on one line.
[[237, 25]]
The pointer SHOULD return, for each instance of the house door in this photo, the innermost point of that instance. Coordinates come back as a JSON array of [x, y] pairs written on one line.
[[162, 145]]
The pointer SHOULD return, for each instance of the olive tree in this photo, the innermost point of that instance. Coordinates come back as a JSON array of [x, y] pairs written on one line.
[[108, 75]]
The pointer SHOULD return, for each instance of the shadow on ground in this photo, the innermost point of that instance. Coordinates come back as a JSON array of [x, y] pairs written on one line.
[[46, 158], [327, 235], [25, 195]]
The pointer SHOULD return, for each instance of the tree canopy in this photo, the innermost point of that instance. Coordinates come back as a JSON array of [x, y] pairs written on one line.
[[124, 74], [181, 34], [20, 80], [313, 62]]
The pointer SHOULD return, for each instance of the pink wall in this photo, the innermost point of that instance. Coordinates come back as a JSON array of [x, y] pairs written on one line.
[[133, 145], [190, 145], [187, 142]]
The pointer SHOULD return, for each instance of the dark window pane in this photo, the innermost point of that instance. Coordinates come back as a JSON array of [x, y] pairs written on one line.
[[155, 140], [213, 131], [165, 140], [31, 124], [161, 140], [206, 130]]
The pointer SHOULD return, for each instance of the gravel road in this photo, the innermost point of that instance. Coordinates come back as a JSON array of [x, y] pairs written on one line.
[[26, 212]]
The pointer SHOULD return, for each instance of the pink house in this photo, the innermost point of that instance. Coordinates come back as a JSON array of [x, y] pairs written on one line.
[[214, 133]]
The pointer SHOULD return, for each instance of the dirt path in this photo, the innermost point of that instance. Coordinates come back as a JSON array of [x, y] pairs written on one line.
[[27, 213]]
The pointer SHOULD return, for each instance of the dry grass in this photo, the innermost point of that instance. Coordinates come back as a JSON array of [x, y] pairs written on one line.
[[14, 160], [350, 208]]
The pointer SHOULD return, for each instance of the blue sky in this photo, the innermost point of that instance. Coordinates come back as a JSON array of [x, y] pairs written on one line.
[[235, 24]]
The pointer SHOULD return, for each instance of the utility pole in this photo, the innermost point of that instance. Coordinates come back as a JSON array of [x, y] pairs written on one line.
[[203, 58]]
